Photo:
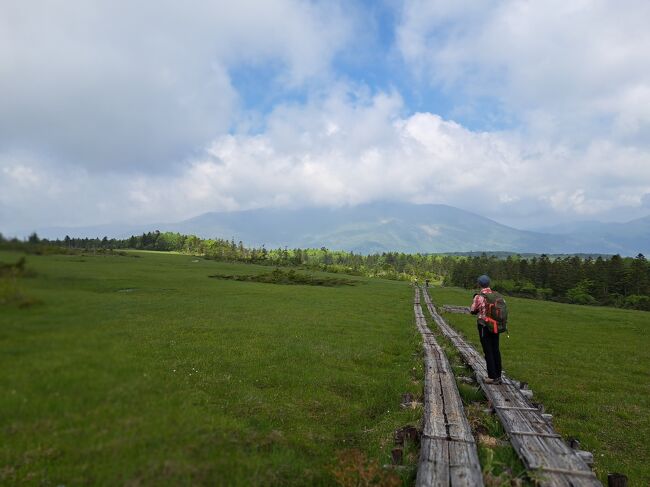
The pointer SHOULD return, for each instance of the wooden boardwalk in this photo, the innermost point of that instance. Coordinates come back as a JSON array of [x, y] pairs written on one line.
[[448, 454], [538, 445]]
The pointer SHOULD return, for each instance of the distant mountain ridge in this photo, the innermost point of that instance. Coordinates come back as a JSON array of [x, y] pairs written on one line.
[[381, 227]]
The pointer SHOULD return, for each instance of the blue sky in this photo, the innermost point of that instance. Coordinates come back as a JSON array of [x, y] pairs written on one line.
[[151, 111], [375, 63]]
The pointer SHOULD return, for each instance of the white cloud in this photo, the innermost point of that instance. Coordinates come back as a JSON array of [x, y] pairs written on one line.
[[122, 84], [376, 153], [22, 176], [431, 230], [570, 70]]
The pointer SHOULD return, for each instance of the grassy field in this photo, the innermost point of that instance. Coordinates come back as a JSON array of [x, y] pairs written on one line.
[[590, 366], [141, 370]]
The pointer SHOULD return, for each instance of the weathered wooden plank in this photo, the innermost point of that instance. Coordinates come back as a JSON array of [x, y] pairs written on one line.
[[517, 408], [455, 309], [433, 468], [461, 471], [448, 454], [434, 411], [534, 433], [533, 438]]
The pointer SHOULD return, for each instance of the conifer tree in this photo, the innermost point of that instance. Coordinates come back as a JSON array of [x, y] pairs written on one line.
[[638, 276], [616, 275]]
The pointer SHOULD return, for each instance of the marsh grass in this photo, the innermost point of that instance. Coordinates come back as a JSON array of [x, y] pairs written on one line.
[[354, 469], [143, 371], [185, 380]]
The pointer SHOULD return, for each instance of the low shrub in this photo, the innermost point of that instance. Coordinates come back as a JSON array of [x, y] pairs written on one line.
[[635, 301], [13, 270], [522, 289], [581, 298], [290, 277], [580, 294], [10, 291]]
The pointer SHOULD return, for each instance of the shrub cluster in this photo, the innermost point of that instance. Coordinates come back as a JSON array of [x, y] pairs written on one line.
[[279, 276], [10, 289]]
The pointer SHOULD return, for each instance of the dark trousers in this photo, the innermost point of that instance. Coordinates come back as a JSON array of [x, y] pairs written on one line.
[[490, 344]]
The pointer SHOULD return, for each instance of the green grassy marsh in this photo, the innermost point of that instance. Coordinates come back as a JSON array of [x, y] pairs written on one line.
[[138, 369]]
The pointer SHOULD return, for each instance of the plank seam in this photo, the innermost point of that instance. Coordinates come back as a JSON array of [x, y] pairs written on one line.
[[447, 438], [534, 433]]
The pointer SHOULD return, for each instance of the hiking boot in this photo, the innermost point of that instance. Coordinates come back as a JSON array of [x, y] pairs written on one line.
[[496, 381]]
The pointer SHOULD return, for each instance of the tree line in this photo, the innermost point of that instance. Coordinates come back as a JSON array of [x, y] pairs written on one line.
[[613, 281], [390, 265], [610, 280]]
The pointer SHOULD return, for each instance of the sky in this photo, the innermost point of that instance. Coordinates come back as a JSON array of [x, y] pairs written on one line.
[[531, 113]]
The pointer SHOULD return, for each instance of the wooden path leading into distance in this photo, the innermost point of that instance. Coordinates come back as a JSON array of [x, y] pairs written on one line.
[[538, 445], [448, 454]]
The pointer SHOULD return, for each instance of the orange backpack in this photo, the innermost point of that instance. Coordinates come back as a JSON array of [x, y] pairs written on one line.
[[496, 312]]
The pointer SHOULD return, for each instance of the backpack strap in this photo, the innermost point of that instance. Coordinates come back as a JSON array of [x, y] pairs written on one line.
[[485, 295], [490, 322]]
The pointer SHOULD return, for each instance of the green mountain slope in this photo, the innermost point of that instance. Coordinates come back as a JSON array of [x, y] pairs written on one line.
[[382, 227]]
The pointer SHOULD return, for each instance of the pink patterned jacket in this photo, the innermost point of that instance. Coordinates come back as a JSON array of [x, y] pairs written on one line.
[[479, 304]]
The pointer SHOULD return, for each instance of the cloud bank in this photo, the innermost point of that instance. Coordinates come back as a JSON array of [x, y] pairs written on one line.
[[123, 112], [122, 85]]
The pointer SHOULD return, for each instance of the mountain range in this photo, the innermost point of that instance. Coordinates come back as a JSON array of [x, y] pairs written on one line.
[[379, 227]]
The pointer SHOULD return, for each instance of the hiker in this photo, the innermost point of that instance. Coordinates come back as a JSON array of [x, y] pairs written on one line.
[[426, 283], [489, 339]]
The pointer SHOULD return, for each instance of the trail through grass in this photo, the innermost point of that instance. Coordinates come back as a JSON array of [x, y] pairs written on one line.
[[499, 461], [589, 366]]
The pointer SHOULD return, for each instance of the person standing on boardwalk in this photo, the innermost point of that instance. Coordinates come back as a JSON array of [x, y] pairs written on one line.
[[489, 339]]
